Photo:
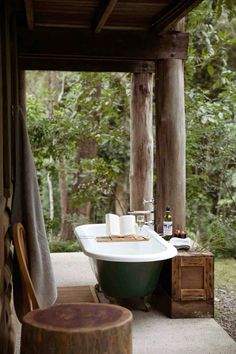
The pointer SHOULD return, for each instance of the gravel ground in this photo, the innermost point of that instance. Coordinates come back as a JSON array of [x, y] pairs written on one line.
[[225, 309]]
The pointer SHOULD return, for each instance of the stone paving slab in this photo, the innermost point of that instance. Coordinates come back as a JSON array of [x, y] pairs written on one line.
[[153, 333]]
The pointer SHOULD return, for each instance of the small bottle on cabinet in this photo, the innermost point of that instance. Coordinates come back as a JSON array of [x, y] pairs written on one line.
[[167, 224]]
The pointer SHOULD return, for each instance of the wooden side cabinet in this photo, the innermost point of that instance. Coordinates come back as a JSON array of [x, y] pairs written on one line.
[[187, 285]]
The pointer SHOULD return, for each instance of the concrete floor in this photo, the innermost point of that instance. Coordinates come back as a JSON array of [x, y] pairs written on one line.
[[153, 333]]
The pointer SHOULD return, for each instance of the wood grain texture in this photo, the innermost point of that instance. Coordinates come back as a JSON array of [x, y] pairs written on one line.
[[95, 65], [126, 238], [171, 141], [189, 286], [2, 199], [74, 294], [141, 140], [7, 339], [29, 298], [7, 335], [183, 309], [173, 13], [131, 15], [192, 309], [6, 97], [29, 13], [104, 15], [82, 44], [78, 329]]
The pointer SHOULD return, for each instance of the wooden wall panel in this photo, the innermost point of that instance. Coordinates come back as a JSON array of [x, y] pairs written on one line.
[[8, 101], [7, 335], [2, 199], [6, 97]]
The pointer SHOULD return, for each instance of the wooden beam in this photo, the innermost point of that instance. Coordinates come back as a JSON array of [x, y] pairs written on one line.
[[29, 14], [71, 64], [104, 15], [107, 45], [171, 15], [170, 142], [141, 140]]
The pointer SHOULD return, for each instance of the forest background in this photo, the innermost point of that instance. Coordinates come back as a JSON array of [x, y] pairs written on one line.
[[79, 130]]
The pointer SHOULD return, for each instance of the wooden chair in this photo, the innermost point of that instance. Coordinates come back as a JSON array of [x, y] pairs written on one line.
[[29, 297], [79, 328]]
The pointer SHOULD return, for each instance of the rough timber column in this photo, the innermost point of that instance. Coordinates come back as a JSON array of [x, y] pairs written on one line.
[[22, 91], [141, 140], [171, 141]]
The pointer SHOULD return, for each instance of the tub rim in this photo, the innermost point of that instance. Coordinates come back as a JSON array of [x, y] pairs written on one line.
[[85, 241]]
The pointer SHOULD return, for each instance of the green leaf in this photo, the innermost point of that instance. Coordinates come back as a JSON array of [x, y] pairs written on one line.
[[210, 70]]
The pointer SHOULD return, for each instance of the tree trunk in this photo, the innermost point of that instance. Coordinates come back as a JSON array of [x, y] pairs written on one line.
[[141, 136], [66, 231], [170, 125], [85, 328], [51, 200], [87, 149], [121, 202]]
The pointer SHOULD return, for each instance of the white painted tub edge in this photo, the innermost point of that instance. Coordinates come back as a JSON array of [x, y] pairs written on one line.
[[156, 249]]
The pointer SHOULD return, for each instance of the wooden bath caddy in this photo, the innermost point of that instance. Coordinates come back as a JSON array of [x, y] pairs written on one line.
[[126, 238], [187, 285]]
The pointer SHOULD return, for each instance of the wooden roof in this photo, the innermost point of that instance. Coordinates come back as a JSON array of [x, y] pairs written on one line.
[[110, 30], [100, 15]]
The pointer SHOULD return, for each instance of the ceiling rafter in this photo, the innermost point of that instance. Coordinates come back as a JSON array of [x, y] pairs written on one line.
[[172, 14], [29, 9], [104, 15]]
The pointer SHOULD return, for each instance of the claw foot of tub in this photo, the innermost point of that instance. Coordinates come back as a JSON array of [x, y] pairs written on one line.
[[98, 288], [147, 306], [111, 300]]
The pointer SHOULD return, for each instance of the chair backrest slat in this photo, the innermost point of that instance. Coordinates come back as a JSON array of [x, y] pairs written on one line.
[[20, 244]]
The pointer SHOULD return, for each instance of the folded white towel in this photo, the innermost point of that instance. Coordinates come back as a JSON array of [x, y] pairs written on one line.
[[181, 243]]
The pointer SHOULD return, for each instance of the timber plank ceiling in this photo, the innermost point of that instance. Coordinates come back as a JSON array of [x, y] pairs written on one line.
[[101, 15], [99, 35]]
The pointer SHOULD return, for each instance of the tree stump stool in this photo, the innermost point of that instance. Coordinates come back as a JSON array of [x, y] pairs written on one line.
[[83, 328]]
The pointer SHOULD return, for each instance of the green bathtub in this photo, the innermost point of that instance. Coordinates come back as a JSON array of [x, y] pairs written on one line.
[[126, 279], [125, 269]]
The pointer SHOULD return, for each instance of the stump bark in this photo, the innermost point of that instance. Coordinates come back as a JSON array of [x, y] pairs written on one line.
[[84, 328]]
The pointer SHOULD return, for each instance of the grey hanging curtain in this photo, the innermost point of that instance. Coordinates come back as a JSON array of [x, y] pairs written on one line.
[[26, 209]]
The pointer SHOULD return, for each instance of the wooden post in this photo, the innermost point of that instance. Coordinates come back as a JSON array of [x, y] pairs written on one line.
[[22, 91], [170, 125], [141, 140]]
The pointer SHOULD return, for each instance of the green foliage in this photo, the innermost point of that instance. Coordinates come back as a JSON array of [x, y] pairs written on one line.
[[221, 6], [211, 128], [218, 236], [64, 246], [79, 127], [225, 273]]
